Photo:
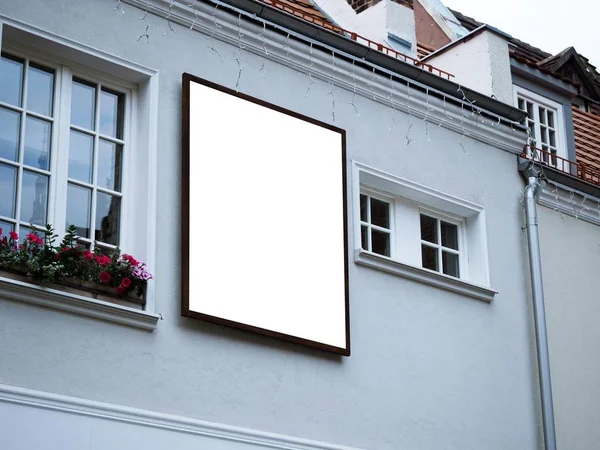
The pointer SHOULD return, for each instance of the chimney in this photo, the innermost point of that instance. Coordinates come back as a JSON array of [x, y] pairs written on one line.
[[360, 5]]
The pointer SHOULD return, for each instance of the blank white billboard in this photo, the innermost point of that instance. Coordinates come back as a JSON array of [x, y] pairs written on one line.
[[264, 218]]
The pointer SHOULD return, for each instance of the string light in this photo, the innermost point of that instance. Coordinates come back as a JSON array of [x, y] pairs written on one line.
[[196, 17], [236, 58], [372, 85], [410, 124], [393, 103], [353, 103], [168, 18], [211, 37], [118, 7], [331, 88], [144, 18], [265, 51], [311, 67]]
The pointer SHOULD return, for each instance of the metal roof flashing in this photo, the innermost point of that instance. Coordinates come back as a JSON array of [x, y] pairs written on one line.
[[357, 50]]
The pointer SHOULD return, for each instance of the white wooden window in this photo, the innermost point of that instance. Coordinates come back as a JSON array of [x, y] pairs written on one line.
[[440, 243], [546, 125], [63, 137], [433, 237], [375, 222]]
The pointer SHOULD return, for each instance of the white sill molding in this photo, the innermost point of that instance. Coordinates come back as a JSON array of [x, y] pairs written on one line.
[[395, 267], [64, 301]]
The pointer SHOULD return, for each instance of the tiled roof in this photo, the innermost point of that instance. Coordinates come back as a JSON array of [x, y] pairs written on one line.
[[305, 9], [587, 138]]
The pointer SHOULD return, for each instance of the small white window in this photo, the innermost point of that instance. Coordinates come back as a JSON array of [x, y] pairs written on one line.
[[440, 248], [375, 222], [416, 232], [545, 122]]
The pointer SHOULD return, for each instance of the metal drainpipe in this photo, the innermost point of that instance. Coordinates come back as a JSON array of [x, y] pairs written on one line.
[[539, 313]]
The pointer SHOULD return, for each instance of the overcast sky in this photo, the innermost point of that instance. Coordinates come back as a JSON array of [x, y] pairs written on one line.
[[551, 25]]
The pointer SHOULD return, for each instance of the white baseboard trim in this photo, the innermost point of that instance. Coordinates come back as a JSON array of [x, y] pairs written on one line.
[[140, 417]]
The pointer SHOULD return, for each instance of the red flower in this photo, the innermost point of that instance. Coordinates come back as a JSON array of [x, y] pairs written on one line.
[[0, 231], [88, 255], [57, 256], [104, 277], [120, 290], [131, 260], [65, 249], [103, 260], [125, 282], [14, 236]]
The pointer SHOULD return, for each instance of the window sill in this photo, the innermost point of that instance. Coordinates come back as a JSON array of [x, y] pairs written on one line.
[[77, 304], [429, 277]]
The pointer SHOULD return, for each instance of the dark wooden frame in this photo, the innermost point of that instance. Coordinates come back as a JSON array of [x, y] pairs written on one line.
[[185, 218]]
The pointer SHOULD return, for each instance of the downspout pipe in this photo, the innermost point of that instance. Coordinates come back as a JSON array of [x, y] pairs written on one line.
[[539, 312]]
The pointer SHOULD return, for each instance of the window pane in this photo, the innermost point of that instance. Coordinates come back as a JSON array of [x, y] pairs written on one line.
[[380, 242], [429, 257], [34, 198], [11, 80], [449, 235], [6, 227], [109, 165], [83, 103], [380, 213], [79, 207], [23, 232], [363, 208], [551, 118], [40, 90], [10, 122], [450, 263], [429, 229], [81, 154], [111, 114], [552, 138], [530, 110], [8, 190], [38, 134], [108, 210], [363, 238], [542, 112]]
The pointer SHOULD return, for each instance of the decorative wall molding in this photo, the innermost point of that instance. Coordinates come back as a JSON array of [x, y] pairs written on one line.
[[64, 301], [572, 202], [425, 276], [345, 71], [140, 417]]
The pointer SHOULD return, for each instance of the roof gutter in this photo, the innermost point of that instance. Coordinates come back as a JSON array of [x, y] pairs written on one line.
[[361, 52]]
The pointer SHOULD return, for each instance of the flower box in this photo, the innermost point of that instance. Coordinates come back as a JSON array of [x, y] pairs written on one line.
[[70, 267], [88, 289]]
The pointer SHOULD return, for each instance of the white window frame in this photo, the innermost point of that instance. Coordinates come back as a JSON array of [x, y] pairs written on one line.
[[59, 146], [539, 100], [462, 252], [409, 201], [139, 206], [372, 193]]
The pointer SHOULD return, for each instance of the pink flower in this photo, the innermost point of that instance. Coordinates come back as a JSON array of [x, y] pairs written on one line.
[[88, 255], [0, 231], [104, 277], [14, 236], [125, 282], [120, 290]]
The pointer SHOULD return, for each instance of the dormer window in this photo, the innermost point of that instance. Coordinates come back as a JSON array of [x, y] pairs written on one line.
[[546, 126]]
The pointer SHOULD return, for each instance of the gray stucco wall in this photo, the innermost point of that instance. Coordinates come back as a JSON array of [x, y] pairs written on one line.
[[570, 261], [429, 368]]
